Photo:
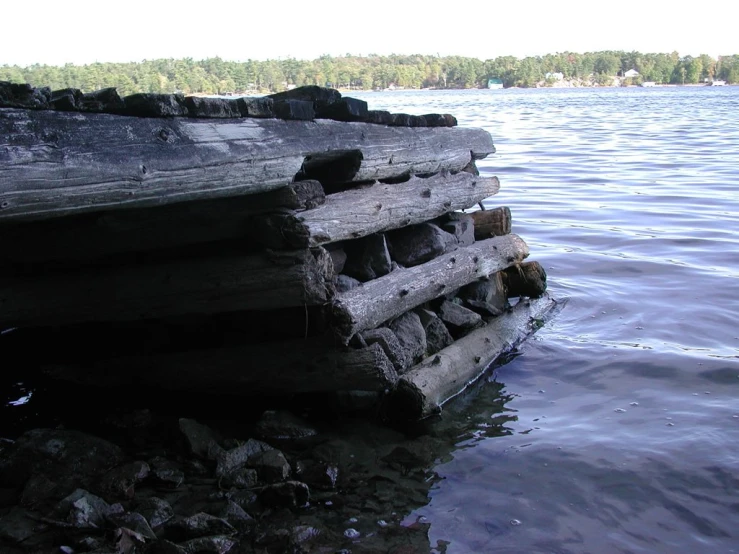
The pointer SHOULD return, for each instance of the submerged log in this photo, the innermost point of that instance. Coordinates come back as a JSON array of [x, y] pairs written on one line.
[[196, 286], [95, 235], [60, 163], [286, 367], [423, 390], [362, 211], [381, 299], [492, 223]]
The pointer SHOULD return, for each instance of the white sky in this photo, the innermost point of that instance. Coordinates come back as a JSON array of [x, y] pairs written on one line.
[[83, 31]]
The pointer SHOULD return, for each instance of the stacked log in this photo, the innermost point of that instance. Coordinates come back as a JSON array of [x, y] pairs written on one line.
[[319, 246]]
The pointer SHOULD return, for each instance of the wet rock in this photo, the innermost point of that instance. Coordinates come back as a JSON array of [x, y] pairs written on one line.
[[156, 511], [262, 107], [38, 491], [290, 494], [167, 471], [67, 99], [82, 509], [390, 344], [281, 424], [120, 482], [146, 104], [294, 109], [68, 458], [212, 108], [367, 258], [17, 527], [237, 516], [199, 525], [461, 226], [411, 335], [134, 522], [236, 458], [319, 475], [417, 244], [199, 437], [345, 283], [272, 466], [438, 336], [14, 95], [458, 316]]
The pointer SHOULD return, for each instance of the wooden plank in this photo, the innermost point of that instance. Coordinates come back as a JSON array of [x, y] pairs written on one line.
[[387, 297], [191, 286], [425, 388], [283, 367], [58, 163], [94, 235], [362, 211]]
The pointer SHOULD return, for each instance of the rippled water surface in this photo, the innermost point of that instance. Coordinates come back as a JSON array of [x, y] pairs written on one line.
[[617, 428]]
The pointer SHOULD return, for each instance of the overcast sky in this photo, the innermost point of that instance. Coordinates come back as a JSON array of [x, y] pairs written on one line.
[[83, 31]]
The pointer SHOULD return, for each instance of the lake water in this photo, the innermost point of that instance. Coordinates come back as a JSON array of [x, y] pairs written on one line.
[[618, 425]]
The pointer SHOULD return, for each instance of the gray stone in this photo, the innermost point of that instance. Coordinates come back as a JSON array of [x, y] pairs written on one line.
[[82, 509], [290, 494], [380, 117], [338, 257], [438, 336], [16, 526], [120, 482], [272, 466], [146, 104], [201, 525], [281, 424], [459, 316], [241, 478], [67, 99], [345, 109], [209, 545], [102, 100], [38, 490], [134, 522], [238, 457], [319, 475], [236, 516], [156, 511], [417, 244], [262, 107], [345, 283], [390, 345], [215, 108], [410, 334], [14, 95], [294, 109], [462, 226], [487, 296], [367, 258], [199, 437], [167, 471]]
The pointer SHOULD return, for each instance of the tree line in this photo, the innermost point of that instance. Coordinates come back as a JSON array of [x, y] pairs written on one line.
[[217, 76]]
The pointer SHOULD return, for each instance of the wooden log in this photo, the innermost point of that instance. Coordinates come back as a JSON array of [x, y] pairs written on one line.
[[362, 211], [376, 301], [95, 235], [492, 223], [283, 368], [423, 390], [60, 163], [192, 286], [526, 279]]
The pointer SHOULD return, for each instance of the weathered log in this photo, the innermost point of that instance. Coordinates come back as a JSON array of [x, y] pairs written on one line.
[[283, 368], [362, 211], [368, 306], [207, 285], [527, 279], [492, 223], [95, 235], [60, 163], [423, 390]]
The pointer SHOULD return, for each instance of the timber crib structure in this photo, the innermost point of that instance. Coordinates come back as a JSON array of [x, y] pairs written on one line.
[[288, 244]]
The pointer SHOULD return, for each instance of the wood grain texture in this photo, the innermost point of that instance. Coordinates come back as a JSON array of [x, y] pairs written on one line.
[[387, 297], [58, 163]]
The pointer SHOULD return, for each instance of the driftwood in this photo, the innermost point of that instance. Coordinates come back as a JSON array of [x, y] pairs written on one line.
[[95, 235], [362, 211], [206, 285], [285, 367], [387, 297], [426, 387], [61, 163], [492, 223]]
